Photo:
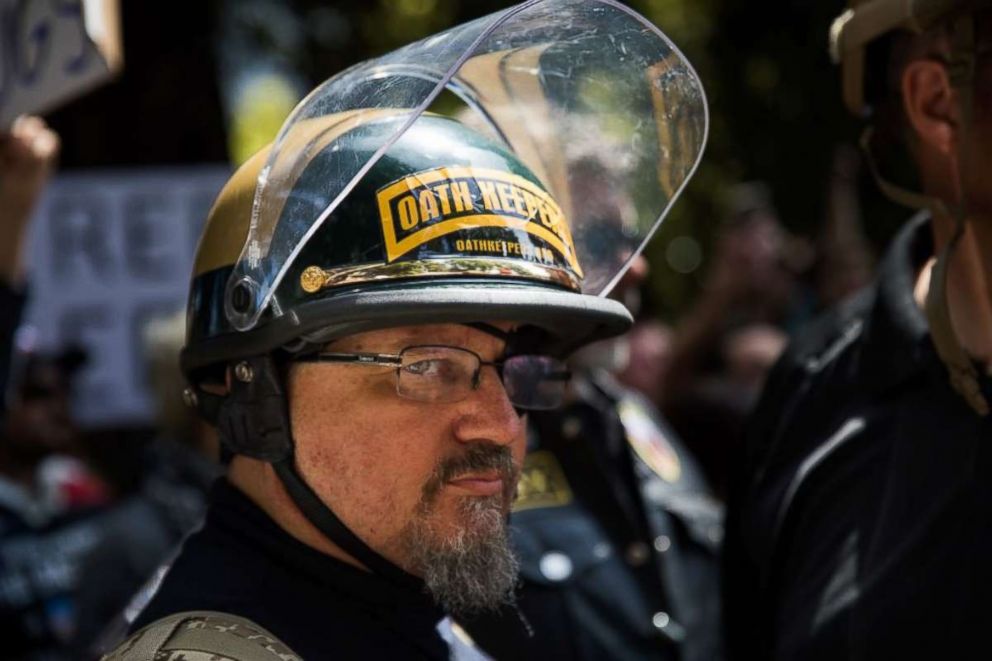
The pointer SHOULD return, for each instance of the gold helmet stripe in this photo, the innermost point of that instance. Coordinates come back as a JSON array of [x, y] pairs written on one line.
[[228, 222]]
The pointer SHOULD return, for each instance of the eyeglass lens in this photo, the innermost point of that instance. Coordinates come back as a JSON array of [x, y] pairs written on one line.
[[448, 374], [535, 382]]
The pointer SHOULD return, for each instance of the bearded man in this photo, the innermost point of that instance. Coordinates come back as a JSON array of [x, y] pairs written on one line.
[[378, 300]]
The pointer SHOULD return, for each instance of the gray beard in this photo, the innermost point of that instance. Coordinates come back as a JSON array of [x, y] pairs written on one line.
[[472, 570]]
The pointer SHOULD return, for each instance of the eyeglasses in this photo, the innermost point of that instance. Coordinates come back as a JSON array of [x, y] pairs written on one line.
[[438, 373]]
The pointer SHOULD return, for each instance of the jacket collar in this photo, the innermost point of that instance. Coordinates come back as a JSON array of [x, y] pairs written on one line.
[[897, 344], [411, 606]]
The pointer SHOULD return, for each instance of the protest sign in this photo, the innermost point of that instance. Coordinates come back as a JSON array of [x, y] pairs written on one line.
[[54, 50], [110, 250]]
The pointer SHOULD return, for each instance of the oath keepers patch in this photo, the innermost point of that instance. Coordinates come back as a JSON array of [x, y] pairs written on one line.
[[542, 483], [649, 441], [462, 202]]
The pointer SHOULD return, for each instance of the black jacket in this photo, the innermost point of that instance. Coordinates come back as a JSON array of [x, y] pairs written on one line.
[[861, 526], [12, 305], [243, 563], [617, 538]]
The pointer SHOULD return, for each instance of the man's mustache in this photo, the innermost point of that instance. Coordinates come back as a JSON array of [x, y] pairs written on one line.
[[478, 457]]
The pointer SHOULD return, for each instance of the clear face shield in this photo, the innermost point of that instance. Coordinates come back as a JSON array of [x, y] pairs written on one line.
[[594, 100]]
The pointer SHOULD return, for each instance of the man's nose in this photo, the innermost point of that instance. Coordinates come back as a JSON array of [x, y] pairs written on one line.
[[487, 413]]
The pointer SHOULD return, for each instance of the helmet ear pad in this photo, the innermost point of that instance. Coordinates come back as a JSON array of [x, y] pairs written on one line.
[[254, 419]]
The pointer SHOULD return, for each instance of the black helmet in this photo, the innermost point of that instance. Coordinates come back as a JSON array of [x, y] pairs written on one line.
[[446, 226]]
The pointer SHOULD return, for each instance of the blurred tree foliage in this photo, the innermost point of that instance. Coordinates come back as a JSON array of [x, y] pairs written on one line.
[[774, 96]]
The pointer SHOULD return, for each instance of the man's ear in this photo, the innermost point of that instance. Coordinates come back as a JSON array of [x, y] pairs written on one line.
[[931, 105]]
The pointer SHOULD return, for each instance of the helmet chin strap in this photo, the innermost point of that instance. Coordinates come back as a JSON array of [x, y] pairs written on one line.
[[332, 527], [962, 373], [254, 421]]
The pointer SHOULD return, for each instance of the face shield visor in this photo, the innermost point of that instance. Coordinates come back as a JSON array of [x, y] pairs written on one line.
[[606, 114]]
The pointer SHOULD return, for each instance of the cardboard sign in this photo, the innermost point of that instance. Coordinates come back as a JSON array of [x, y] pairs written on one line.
[[109, 250], [54, 50]]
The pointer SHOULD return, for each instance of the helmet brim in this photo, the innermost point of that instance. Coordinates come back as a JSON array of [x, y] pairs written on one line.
[[570, 320]]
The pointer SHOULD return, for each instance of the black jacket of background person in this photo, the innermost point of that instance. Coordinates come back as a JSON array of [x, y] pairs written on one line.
[[11, 307], [241, 562], [861, 527], [616, 562]]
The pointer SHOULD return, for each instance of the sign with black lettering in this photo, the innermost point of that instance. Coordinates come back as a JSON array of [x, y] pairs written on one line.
[[109, 251], [54, 50]]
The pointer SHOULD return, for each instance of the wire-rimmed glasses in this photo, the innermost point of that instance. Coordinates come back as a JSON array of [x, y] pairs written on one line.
[[440, 373]]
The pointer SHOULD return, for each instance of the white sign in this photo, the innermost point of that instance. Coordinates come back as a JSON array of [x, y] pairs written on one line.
[[54, 50], [109, 250]]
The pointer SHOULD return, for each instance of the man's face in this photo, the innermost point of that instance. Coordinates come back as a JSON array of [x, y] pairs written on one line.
[[426, 484]]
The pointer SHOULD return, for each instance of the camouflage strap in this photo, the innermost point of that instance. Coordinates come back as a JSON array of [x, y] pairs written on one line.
[[202, 636]]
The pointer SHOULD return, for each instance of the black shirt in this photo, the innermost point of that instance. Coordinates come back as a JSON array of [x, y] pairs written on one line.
[[243, 563], [861, 527]]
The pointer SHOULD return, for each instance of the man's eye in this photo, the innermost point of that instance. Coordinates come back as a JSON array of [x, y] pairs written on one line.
[[433, 368]]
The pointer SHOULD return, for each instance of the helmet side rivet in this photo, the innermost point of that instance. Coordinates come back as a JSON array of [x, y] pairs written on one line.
[[312, 279], [189, 397], [243, 372], [241, 298]]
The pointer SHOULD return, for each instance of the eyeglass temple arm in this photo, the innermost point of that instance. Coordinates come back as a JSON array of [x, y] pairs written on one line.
[[361, 358], [489, 329]]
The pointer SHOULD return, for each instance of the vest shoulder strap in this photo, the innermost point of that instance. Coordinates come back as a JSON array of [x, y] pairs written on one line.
[[202, 636]]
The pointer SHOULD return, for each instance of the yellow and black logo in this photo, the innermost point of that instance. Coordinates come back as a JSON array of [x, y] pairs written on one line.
[[434, 203], [542, 483]]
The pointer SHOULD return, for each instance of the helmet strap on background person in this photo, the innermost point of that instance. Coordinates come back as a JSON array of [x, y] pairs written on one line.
[[963, 375]]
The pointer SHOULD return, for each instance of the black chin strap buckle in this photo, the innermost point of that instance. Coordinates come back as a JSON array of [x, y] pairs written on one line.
[[254, 418]]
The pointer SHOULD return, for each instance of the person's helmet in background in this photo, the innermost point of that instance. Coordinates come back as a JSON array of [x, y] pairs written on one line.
[[866, 21]]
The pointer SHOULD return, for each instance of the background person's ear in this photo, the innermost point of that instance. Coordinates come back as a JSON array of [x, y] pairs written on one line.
[[931, 107]]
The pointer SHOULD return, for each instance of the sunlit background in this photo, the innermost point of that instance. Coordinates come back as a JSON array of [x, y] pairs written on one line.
[[206, 84]]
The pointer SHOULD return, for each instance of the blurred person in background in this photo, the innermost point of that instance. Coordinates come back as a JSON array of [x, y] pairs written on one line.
[[614, 523], [42, 453], [731, 336], [859, 525], [649, 345], [73, 548], [145, 529], [49, 501], [28, 151], [844, 260], [763, 285]]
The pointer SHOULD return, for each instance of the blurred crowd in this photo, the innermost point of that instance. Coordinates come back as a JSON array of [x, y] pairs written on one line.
[[82, 525], [619, 523], [86, 521]]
